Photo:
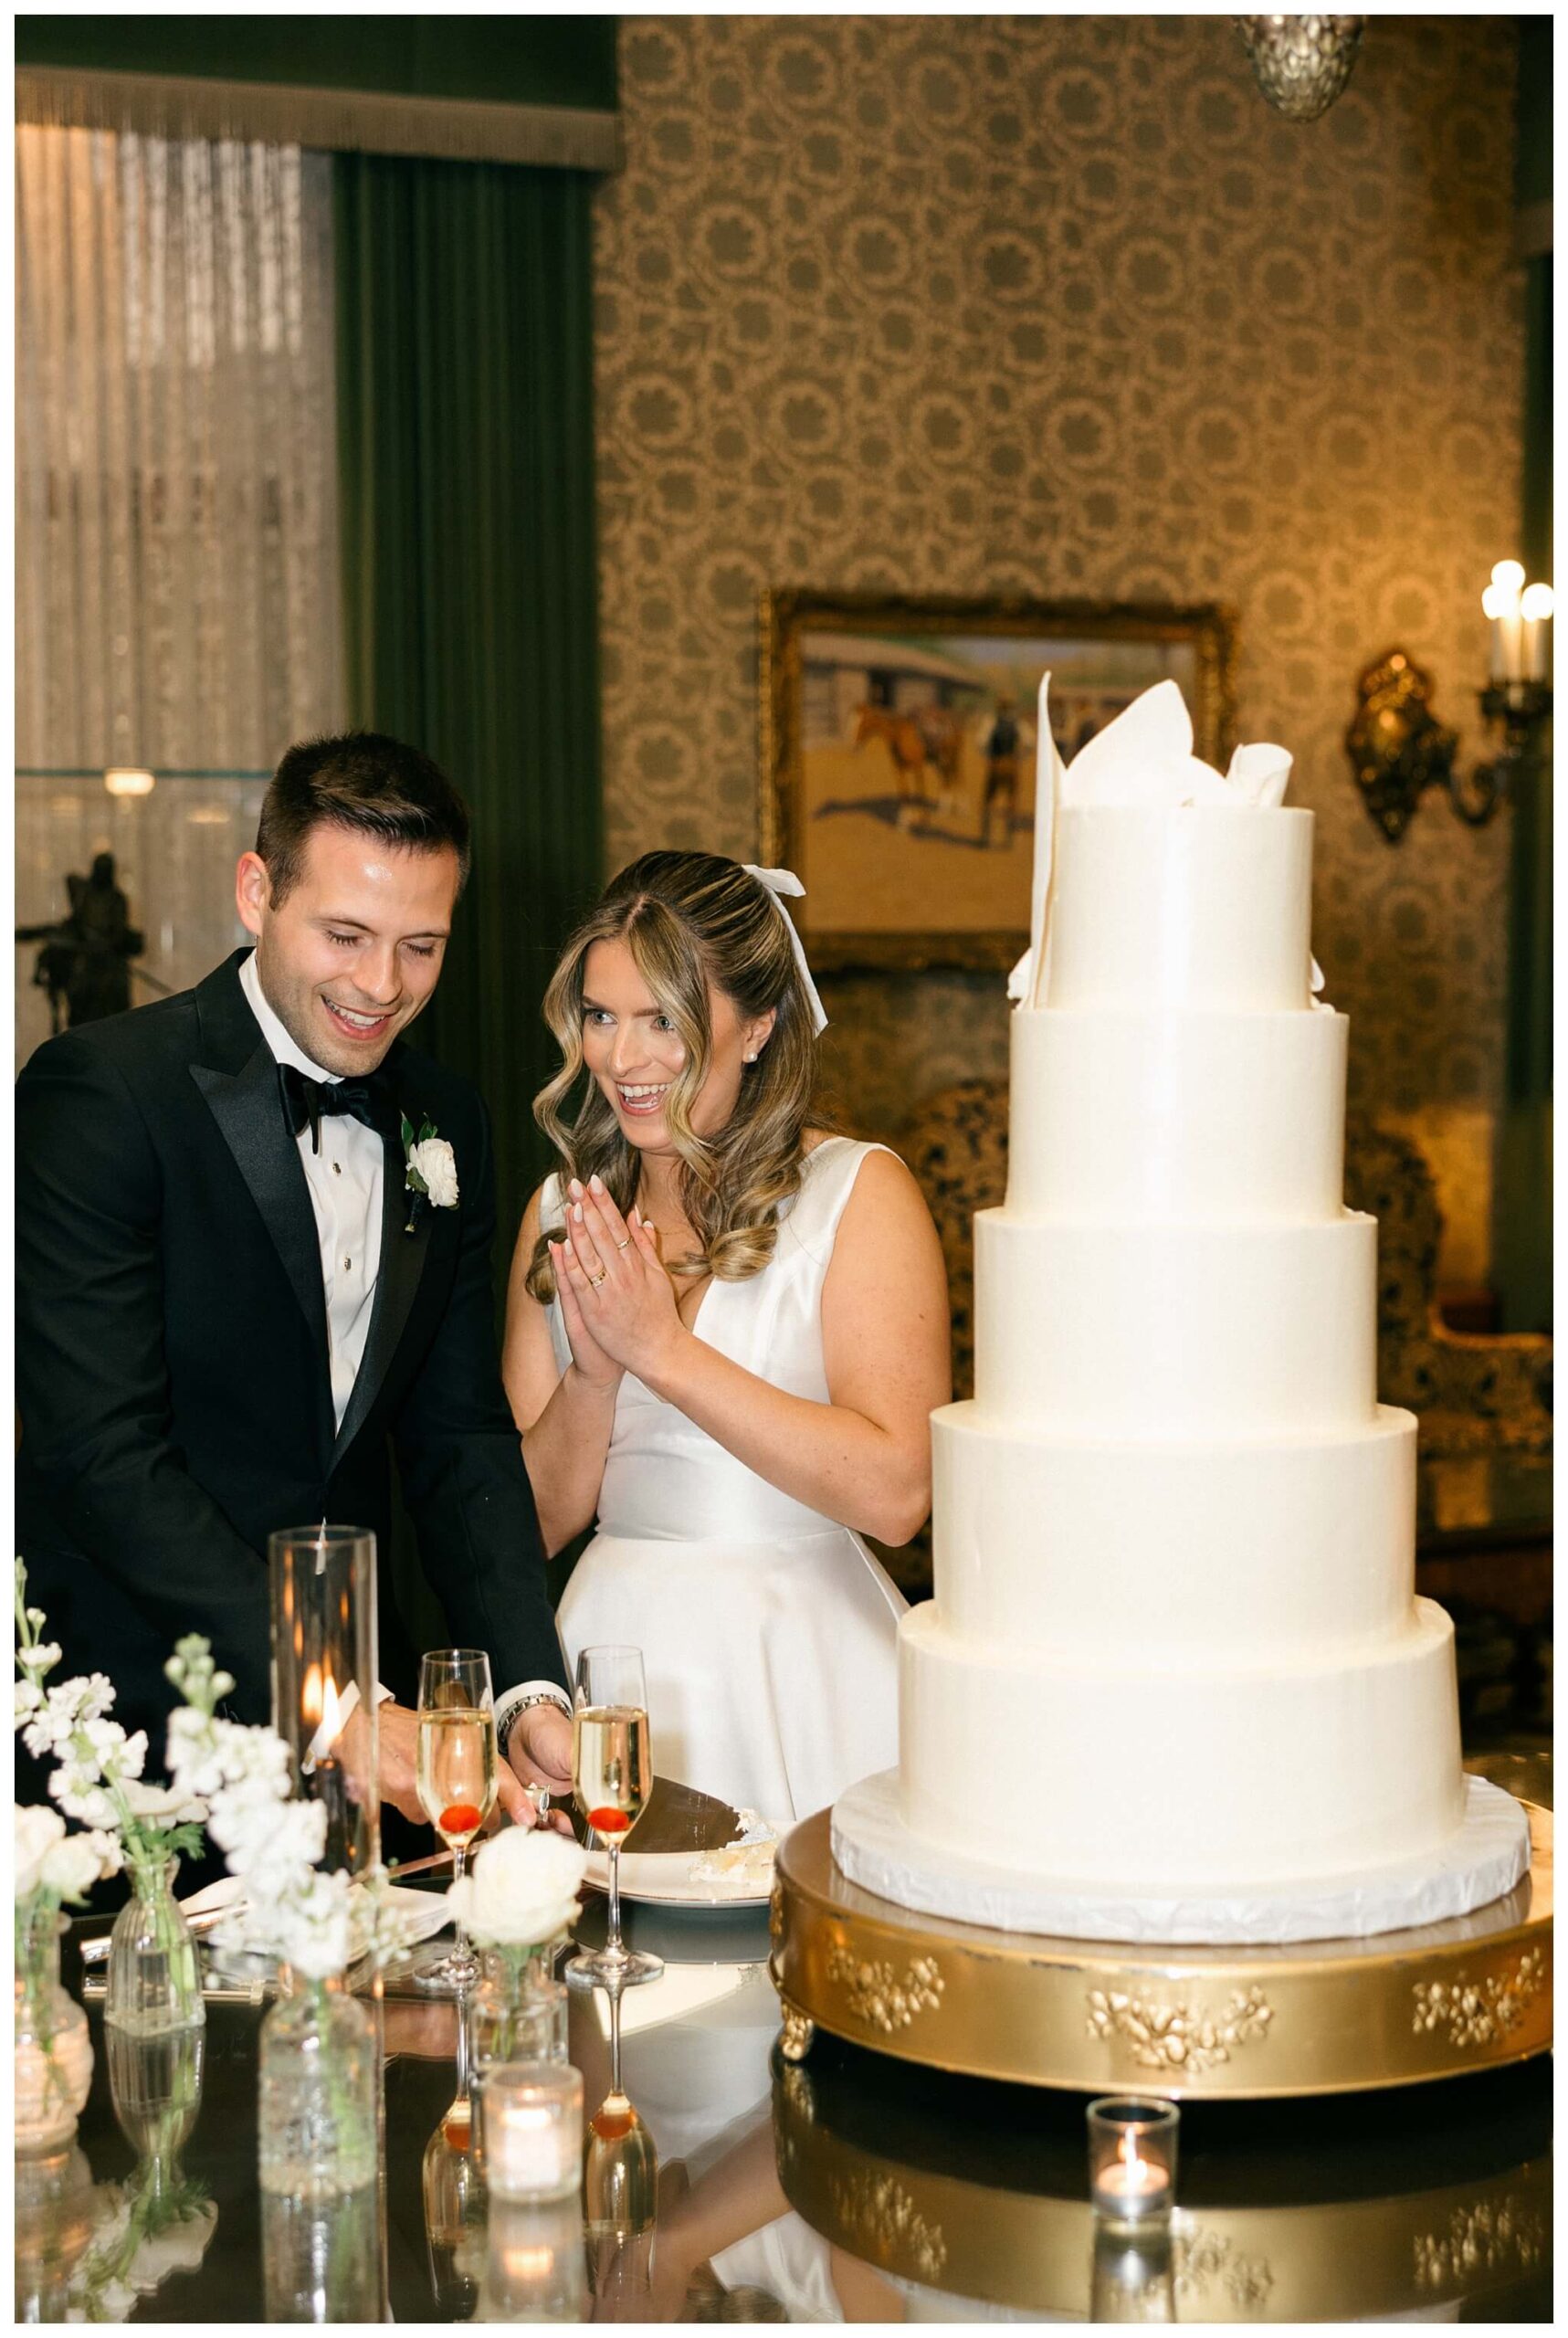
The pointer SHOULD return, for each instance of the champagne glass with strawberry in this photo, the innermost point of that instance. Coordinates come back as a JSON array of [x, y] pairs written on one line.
[[456, 1773], [612, 1777]]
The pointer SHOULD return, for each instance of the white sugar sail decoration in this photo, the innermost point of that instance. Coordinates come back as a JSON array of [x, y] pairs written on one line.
[[1145, 757], [1050, 777]]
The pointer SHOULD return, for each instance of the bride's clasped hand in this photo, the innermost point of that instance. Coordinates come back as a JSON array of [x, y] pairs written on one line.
[[617, 1300]]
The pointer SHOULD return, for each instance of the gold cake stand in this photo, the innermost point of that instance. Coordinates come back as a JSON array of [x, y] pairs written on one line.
[[1102, 2016]]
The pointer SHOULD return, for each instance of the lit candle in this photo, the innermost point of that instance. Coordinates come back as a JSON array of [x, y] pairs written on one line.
[[1535, 609], [531, 2120], [1492, 607], [1508, 655], [1132, 2158]]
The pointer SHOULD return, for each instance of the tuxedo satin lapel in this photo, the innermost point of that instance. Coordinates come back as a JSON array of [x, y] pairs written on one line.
[[246, 1108], [397, 1281]]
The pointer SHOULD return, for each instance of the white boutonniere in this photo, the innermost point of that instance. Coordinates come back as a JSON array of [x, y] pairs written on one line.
[[430, 1170]]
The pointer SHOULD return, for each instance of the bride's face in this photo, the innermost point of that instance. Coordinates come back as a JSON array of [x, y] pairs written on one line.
[[635, 1052]]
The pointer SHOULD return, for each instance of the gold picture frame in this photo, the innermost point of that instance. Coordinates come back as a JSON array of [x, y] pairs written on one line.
[[887, 780]]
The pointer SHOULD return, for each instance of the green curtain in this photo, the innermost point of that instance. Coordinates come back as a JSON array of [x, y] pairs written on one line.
[[465, 431]]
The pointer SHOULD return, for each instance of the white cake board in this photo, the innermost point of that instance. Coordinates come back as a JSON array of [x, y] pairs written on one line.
[[1485, 1857]]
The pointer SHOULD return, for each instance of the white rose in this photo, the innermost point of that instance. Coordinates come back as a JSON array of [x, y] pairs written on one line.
[[523, 1888], [37, 1831], [72, 1866], [435, 1163]]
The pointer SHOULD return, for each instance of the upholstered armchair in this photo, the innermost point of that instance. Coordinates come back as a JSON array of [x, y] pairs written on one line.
[[1471, 1392]]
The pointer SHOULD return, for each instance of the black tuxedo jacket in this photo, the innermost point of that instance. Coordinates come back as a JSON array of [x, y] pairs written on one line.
[[172, 1370]]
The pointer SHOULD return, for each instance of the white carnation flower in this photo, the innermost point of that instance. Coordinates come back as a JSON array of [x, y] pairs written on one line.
[[435, 1163], [523, 1888]]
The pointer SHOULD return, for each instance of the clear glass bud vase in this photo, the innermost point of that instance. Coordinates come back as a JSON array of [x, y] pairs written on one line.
[[517, 2009], [318, 2094], [54, 2053], [154, 1985]]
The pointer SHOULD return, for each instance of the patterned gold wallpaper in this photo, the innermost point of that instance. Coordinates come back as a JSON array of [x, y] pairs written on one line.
[[1057, 305]]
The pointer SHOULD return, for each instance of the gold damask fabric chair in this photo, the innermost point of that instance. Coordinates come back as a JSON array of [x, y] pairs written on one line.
[[1472, 1392]]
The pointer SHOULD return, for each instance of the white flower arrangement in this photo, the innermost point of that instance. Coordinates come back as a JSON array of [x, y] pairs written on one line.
[[522, 1889], [46, 1860], [98, 1777], [142, 2235], [290, 1909]]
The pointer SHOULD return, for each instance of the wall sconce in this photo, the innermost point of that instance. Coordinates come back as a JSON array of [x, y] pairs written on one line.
[[123, 782], [1397, 747]]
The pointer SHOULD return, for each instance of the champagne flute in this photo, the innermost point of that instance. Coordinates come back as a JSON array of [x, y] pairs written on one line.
[[612, 1777], [456, 1775]]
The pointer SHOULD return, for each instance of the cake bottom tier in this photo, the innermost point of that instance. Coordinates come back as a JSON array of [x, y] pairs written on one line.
[[1198, 1779]]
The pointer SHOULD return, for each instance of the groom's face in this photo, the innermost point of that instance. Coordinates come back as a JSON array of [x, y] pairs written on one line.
[[353, 950]]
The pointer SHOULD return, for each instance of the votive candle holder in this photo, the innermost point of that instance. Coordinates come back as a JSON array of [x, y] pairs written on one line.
[[1132, 2158], [324, 1663], [530, 2128]]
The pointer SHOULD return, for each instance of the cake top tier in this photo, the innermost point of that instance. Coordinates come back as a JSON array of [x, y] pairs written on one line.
[[1159, 881]]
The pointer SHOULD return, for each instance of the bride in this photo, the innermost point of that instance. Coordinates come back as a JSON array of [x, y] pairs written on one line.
[[726, 1330]]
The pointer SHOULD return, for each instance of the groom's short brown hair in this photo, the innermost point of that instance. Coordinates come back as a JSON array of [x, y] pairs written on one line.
[[358, 780]]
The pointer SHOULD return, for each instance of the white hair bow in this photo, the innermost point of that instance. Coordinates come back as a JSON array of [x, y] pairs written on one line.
[[779, 882]]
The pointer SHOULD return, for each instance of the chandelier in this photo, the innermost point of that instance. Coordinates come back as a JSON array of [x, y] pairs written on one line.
[[1302, 63]]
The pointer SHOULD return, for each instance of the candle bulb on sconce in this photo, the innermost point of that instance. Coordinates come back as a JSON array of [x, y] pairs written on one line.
[[1536, 608], [1397, 747]]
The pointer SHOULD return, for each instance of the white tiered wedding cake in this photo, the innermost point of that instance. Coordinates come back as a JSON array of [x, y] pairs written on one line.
[[1175, 1658]]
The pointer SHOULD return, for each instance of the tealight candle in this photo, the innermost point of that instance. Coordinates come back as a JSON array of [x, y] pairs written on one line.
[[530, 2124], [1132, 2158]]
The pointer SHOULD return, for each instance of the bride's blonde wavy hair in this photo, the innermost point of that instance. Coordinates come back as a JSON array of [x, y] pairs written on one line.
[[691, 919]]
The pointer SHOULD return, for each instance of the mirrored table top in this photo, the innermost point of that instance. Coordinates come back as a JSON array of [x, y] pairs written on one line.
[[847, 2188]]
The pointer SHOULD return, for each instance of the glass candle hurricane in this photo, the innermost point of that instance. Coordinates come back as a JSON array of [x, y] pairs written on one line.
[[324, 1659], [1132, 2158], [530, 2125]]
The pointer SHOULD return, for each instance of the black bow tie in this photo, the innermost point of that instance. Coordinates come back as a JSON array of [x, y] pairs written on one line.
[[306, 1099]]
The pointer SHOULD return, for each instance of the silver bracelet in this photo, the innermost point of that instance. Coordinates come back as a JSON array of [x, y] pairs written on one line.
[[511, 1708]]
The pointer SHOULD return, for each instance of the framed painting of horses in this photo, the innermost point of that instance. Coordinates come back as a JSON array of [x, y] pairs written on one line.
[[898, 753]]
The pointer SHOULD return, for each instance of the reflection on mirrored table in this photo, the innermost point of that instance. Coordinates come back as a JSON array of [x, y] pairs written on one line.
[[721, 2184]]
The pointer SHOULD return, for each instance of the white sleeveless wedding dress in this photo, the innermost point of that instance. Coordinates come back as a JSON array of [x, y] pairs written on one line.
[[768, 1633]]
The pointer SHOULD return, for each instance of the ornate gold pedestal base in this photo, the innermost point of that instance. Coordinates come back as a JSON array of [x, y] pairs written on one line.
[[1319, 2017]]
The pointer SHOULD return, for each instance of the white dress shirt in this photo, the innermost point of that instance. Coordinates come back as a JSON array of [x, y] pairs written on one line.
[[345, 1181]]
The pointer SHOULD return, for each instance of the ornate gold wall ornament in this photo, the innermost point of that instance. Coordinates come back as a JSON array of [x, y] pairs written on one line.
[[879, 2211], [1201, 2259], [1475, 2012], [1176, 2037], [1499, 2237], [874, 1995]]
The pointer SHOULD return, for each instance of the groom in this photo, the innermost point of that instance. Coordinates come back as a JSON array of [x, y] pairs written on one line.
[[233, 1311]]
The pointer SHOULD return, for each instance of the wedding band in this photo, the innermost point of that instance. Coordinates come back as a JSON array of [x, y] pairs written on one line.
[[626, 1245], [595, 1281]]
